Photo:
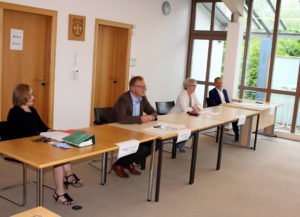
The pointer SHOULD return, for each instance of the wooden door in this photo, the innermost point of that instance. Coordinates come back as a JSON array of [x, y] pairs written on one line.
[[33, 64], [111, 63]]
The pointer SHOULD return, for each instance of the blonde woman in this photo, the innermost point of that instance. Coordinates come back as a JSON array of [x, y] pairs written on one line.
[[187, 101], [24, 121]]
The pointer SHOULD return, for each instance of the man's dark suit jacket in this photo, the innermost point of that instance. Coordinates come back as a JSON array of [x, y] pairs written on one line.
[[122, 110], [215, 99]]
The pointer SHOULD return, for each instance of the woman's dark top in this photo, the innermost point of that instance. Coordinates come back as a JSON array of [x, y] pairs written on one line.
[[24, 124]]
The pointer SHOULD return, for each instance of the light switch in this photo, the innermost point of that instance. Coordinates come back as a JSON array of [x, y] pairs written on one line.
[[132, 62], [75, 74]]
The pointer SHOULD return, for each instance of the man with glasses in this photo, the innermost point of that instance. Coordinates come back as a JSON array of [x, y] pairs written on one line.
[[133, 107]]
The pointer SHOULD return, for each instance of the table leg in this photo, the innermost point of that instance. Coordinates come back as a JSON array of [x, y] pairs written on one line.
[[220, 148], [174, 146], [150, 183], [256, 131], [39, 187], [217, 135], [159, 165], [194, 158], [104, 169]]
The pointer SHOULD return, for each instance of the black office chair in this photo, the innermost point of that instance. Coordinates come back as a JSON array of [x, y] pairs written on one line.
[[208, 104], [4, 136], [102, 115], [164, 108]]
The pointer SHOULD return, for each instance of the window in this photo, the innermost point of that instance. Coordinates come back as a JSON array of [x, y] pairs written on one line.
[[270, 68], [203, 16], [285, 112], [222, 17], [209, 21], [199, 59], [254, 95], [297, 131], [217, 59]]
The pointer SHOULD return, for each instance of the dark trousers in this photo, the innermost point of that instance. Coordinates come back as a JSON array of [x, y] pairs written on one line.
[[235, 128], [143, 151]]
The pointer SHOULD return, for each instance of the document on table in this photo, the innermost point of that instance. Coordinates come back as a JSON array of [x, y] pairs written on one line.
[[55, 135], [61, 145], [242, 120], [209, 113], [166, 125], [156, 131], [127, 147], [161, 128], [258, 105], [183, 135]]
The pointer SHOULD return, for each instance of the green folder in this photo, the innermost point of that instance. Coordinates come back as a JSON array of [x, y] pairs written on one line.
[[80, 139]]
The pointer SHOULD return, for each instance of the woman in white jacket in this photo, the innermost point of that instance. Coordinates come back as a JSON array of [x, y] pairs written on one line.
[[187, 101]]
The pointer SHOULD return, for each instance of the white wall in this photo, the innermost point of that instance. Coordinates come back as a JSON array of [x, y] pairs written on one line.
[[159, 44]]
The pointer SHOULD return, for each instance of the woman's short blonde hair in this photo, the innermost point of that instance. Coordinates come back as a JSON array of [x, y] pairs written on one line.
[[21, 94], [189, 82]]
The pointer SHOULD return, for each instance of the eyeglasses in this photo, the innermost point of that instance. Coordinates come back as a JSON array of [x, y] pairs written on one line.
[[140, 86]]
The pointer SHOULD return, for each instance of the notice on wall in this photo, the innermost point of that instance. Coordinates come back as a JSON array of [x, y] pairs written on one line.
[[16, 39]]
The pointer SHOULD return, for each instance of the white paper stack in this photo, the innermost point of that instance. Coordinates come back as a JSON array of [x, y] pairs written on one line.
[[55, 135]]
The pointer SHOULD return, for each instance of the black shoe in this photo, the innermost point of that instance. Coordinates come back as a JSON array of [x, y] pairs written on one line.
[[236, 138], [72, 180], [65, 198]]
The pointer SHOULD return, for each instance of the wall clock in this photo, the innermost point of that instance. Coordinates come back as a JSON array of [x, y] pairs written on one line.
[[166, 8]]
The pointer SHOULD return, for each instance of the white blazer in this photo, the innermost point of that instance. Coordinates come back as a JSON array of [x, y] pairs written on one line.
[[182, 102]]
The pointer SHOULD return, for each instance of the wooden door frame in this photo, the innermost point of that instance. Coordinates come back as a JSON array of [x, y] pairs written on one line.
[[53, 15], [101, 22]]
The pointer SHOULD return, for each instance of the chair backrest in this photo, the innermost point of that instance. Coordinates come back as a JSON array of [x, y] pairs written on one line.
[[208, 102], [102, 115], [3, 130], [164, 108]]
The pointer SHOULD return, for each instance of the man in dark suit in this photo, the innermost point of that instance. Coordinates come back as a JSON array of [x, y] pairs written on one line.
[[130, 109], [219, 95]]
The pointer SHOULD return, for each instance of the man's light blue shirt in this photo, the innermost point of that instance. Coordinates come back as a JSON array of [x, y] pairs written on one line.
[[136, 102]]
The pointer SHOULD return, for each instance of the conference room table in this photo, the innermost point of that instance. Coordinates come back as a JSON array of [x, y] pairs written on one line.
[[41, 155], [195, 124], [230, 114], [210, 118], [37, 212], [266, 110]]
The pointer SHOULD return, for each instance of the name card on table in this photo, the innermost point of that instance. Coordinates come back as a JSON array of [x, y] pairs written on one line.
[[127, 147], [183, 135], [242, 120]]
